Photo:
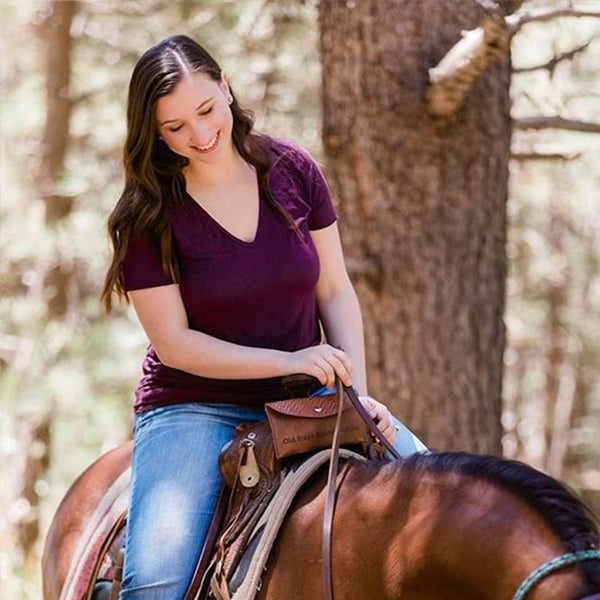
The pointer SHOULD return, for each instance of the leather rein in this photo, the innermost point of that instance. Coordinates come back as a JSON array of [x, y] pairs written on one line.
[[333, 470], [525, 587]]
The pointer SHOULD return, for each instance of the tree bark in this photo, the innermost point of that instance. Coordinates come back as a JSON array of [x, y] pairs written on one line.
[[54, 269], [37, 461], [422, 213]]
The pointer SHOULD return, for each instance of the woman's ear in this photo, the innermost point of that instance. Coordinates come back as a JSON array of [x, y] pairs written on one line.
[[224, 84]]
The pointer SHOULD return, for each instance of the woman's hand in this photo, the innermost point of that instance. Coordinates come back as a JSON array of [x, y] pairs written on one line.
[[381, 415], [323, 362]]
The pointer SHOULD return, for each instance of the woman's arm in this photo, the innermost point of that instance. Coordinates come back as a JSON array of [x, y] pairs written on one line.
[[338, 303], [342, 322], [182, 348]]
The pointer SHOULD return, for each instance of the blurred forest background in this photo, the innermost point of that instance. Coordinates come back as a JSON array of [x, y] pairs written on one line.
[[67, 371]]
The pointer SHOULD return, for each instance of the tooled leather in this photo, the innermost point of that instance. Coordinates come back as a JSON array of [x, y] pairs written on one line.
[[254, 500], [257, 498], [239, 540], [305, 407], [263, 449], [293, 433]]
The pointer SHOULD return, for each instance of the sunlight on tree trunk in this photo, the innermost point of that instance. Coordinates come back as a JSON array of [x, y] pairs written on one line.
[[423, 214]]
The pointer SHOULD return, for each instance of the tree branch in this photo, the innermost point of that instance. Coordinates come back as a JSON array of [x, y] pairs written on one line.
[[523, 156], [516, 21], [555, 122], [551, 64], [451, 80]]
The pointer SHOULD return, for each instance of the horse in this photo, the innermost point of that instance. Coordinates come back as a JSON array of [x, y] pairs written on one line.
[[436, 526]]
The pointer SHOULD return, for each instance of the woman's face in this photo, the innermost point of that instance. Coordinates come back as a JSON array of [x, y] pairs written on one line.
[[195, 119]]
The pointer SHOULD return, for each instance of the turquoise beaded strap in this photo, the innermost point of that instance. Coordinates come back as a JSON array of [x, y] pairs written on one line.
[[553, 565]]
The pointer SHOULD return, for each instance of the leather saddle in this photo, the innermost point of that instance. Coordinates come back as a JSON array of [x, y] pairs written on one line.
[[251, 474]]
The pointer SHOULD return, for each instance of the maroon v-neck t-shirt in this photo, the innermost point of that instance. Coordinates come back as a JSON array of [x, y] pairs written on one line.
[[258, 294]]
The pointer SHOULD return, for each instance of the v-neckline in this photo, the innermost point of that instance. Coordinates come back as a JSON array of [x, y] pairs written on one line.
[[226, 231]]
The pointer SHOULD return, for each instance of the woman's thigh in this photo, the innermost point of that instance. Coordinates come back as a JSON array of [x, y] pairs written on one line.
[[175, 483]]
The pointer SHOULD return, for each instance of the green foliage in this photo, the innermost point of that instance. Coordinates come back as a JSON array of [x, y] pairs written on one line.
[[79, 364], [82, 366], [553, 303]]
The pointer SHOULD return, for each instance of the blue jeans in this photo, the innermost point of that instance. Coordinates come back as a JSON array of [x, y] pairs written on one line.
[[175, 483]]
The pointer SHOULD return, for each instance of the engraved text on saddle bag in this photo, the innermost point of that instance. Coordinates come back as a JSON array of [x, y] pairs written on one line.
[[305, 424]]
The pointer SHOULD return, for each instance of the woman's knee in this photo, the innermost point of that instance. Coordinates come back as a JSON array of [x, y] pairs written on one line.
[[167, 582], [163, 551], [406, 441]]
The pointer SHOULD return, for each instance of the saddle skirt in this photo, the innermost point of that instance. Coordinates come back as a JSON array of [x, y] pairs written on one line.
[[100, 551], [95, 555], [245, 580], [258, 490]]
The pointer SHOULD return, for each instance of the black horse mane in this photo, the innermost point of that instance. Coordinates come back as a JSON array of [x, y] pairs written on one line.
[[568, 516]]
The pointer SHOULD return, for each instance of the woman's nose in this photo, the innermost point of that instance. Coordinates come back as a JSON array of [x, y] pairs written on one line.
[[201, 135]]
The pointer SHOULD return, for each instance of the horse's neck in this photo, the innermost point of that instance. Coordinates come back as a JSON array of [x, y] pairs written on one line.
[[417, 536], [449, 536]]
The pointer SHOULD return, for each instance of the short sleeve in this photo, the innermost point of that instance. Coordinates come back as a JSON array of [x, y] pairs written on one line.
[[142, 267], [322, 211]]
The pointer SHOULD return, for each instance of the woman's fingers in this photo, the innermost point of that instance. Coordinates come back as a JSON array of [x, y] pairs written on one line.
[[327, 370], [341, 369], [381, 415], [334, 362], [345, 359], [369, 406], [390, 432]]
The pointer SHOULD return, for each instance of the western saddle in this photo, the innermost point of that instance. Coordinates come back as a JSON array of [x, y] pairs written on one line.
[[252, 475]]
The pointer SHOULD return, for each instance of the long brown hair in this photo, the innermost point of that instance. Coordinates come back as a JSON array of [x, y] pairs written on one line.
[[154, 182]]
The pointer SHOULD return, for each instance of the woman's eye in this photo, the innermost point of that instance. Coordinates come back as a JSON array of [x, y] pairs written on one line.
[[204, 113]]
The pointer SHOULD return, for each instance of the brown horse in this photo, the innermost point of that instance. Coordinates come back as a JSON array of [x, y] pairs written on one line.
[[439, 526]]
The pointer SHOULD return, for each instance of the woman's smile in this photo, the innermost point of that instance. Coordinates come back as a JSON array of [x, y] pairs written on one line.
[[209, 147]]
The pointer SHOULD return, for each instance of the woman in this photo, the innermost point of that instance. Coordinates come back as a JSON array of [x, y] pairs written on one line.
[[225, 242]]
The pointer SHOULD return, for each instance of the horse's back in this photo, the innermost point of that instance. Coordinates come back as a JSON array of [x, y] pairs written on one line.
[[74, 512]]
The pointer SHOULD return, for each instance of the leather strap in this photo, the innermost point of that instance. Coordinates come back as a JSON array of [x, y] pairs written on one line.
[[331, 478], [103, 550], [362, 411], [330, 501], [201, 567], [118, 575]]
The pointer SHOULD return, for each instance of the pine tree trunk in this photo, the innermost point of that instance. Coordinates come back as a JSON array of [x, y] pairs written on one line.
[[56, 284], [422, 213]]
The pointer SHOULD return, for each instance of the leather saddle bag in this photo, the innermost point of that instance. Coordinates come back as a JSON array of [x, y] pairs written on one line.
[[305, 424]]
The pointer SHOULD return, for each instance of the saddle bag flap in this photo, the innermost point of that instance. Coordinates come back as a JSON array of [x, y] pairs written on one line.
[[304, 424]]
